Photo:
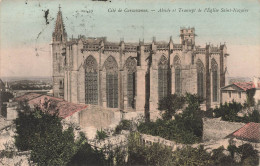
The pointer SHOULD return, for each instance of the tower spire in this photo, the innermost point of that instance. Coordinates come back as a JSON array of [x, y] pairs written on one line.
[[59, 34]]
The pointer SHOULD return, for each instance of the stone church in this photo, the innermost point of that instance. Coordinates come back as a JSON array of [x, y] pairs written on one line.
[[132, 76]]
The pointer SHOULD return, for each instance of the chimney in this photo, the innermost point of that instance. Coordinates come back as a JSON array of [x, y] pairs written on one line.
[[256, 80]]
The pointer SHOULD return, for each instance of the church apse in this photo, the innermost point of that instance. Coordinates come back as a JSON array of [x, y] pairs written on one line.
[[124, 75]]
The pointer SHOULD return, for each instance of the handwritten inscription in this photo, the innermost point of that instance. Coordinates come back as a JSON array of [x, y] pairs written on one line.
[[181, 10]]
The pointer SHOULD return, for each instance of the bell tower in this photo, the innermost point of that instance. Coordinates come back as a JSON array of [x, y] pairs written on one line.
[[187, 38], [59, 34], [59, 39]]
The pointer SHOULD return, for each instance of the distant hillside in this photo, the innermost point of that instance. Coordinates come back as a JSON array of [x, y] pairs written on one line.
[[36, 78], [231, 80], [30, 85]]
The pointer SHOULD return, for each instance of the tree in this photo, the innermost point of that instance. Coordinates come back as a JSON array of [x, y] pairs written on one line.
[[140, 154], [54, 148], [192, 156], [5, 96], [249, 156], [228, 111], [250, 93], [170, 105], [41, 131], [220, 158], [254, 116], [191, 118], [26, 127], [187, 126], [123, 125]]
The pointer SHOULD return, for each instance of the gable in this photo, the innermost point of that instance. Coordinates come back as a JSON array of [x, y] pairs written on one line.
[[231, 87]]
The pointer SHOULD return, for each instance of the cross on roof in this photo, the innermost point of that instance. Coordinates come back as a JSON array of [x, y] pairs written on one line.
[[59, 7]]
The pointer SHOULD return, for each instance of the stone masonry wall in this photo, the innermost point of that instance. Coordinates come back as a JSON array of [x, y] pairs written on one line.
[[215, 129], [96, 118]]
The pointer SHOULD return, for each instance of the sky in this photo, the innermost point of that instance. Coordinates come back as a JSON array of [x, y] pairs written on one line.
[[24, 33]]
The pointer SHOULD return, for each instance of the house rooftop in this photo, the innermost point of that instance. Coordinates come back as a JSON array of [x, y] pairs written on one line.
[[64, 108], [249, 132], [243, 85]]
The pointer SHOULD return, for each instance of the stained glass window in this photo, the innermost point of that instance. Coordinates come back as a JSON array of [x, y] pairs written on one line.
[[131, 81], [162, 78], [111, 82], [200, 80], [177, 66], [177, 80], [214, 68], [91, 81]]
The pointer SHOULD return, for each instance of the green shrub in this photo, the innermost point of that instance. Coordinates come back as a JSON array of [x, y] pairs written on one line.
[[154, 154], [101, 135], [5, 96], [7, 154], [43, 134], [249, 156], [86, 155], [170, 105], [157, 154], [220, 158], [229, 111], [171, 130], [187, 126], [192, 156], [254, 116], [250, 97], [123, 125]]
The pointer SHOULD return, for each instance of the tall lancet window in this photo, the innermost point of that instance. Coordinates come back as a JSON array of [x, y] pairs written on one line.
[[91, 83], [177, 67], [111, 82], [162, 77], [214, 69], [131, 81], [200, 78]]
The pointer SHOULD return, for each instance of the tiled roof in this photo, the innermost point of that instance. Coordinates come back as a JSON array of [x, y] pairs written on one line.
[[27, 97], [245, 85], [249, 132], [65, 108]]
